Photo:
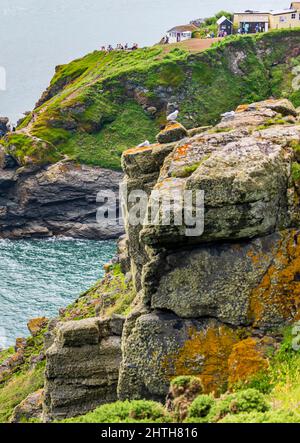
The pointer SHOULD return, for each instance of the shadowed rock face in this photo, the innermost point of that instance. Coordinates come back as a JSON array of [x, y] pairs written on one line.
[[55, 200], [207, 301], [82, 367]]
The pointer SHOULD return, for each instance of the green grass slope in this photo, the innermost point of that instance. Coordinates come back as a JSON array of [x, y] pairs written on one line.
[[98, 106]]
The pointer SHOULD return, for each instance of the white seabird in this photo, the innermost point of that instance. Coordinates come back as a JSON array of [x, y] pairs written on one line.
[[228, 114], [144, 144], [173, 117]]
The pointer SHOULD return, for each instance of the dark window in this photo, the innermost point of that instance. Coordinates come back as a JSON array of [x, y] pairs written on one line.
[[293, 16]]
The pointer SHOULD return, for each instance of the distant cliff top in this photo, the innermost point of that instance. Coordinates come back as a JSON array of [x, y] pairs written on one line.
[[104, 103]]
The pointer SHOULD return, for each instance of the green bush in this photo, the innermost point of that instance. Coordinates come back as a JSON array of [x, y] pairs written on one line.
[[279, 416], [249, 400], [201, 406], [126, 412]]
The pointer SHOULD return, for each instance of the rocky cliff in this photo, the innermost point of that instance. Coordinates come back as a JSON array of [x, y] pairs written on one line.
[[213, 305], [54, 200], [98, 106]]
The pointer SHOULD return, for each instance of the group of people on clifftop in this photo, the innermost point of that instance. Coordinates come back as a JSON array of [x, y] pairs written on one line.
[[120, 47]]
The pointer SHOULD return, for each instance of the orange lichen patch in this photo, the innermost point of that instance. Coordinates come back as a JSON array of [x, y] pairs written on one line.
[[138, 150], [181, 152], [277, 297], [260, 260], [36, 325], [205, 354], [171, 127], [247, 358], [242, 108], [170, 184]]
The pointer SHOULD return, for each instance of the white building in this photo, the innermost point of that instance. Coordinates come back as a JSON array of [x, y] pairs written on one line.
[[181, 33]]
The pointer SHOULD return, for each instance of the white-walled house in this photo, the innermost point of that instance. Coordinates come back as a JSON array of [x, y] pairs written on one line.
[[181, 33]]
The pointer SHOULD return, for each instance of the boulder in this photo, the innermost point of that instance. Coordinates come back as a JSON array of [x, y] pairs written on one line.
[[173, 132], [36, 325], [30, 409], [244, 184]]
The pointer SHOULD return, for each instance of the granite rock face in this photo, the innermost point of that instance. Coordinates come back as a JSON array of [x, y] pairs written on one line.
[[208, 301], [58, 200], [82, 367]]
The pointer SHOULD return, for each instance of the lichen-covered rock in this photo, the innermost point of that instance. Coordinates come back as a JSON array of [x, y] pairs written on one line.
[[171, 133], [82, 367], [30, 409], [36, 325], [248, 357], [160, 346], [254, 282], [208, 300], [244, 185]]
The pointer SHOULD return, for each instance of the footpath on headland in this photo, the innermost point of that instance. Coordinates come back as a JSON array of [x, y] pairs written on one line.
[[195, 44]]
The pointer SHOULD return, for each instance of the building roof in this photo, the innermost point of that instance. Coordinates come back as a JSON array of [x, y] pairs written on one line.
[[184, 28], [222, 20], [283, 11], [252, 12]]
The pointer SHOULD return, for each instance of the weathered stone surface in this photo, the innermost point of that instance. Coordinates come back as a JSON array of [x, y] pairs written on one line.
[[282, 106], [11, 364], [58, 200], [212, 281], [244, 184], [82, 367], [254, 282], [36, 325], [207, 301], [123, 254], [172, 133], [30, 409], [161, 346], [6, 160]]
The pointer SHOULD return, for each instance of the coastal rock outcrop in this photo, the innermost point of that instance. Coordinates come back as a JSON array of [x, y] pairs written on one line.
[[56, 200], [209, 304], [209, 299], [82, 367]]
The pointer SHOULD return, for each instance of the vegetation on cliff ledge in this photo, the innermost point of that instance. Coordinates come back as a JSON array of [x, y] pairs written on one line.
[[101, 104]]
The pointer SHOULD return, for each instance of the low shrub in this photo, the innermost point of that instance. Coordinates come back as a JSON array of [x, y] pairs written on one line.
[[126, 412], [279, 416], [201, 406]]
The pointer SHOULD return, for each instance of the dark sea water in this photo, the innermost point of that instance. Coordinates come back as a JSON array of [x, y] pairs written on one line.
[[39, 277]]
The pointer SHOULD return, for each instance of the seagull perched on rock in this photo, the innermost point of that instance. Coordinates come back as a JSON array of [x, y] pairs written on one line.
[[228, 114], [173, 117], [144, 145]]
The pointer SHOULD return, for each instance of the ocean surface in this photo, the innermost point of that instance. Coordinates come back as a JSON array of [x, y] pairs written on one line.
[[39, 277], [37, 35]]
